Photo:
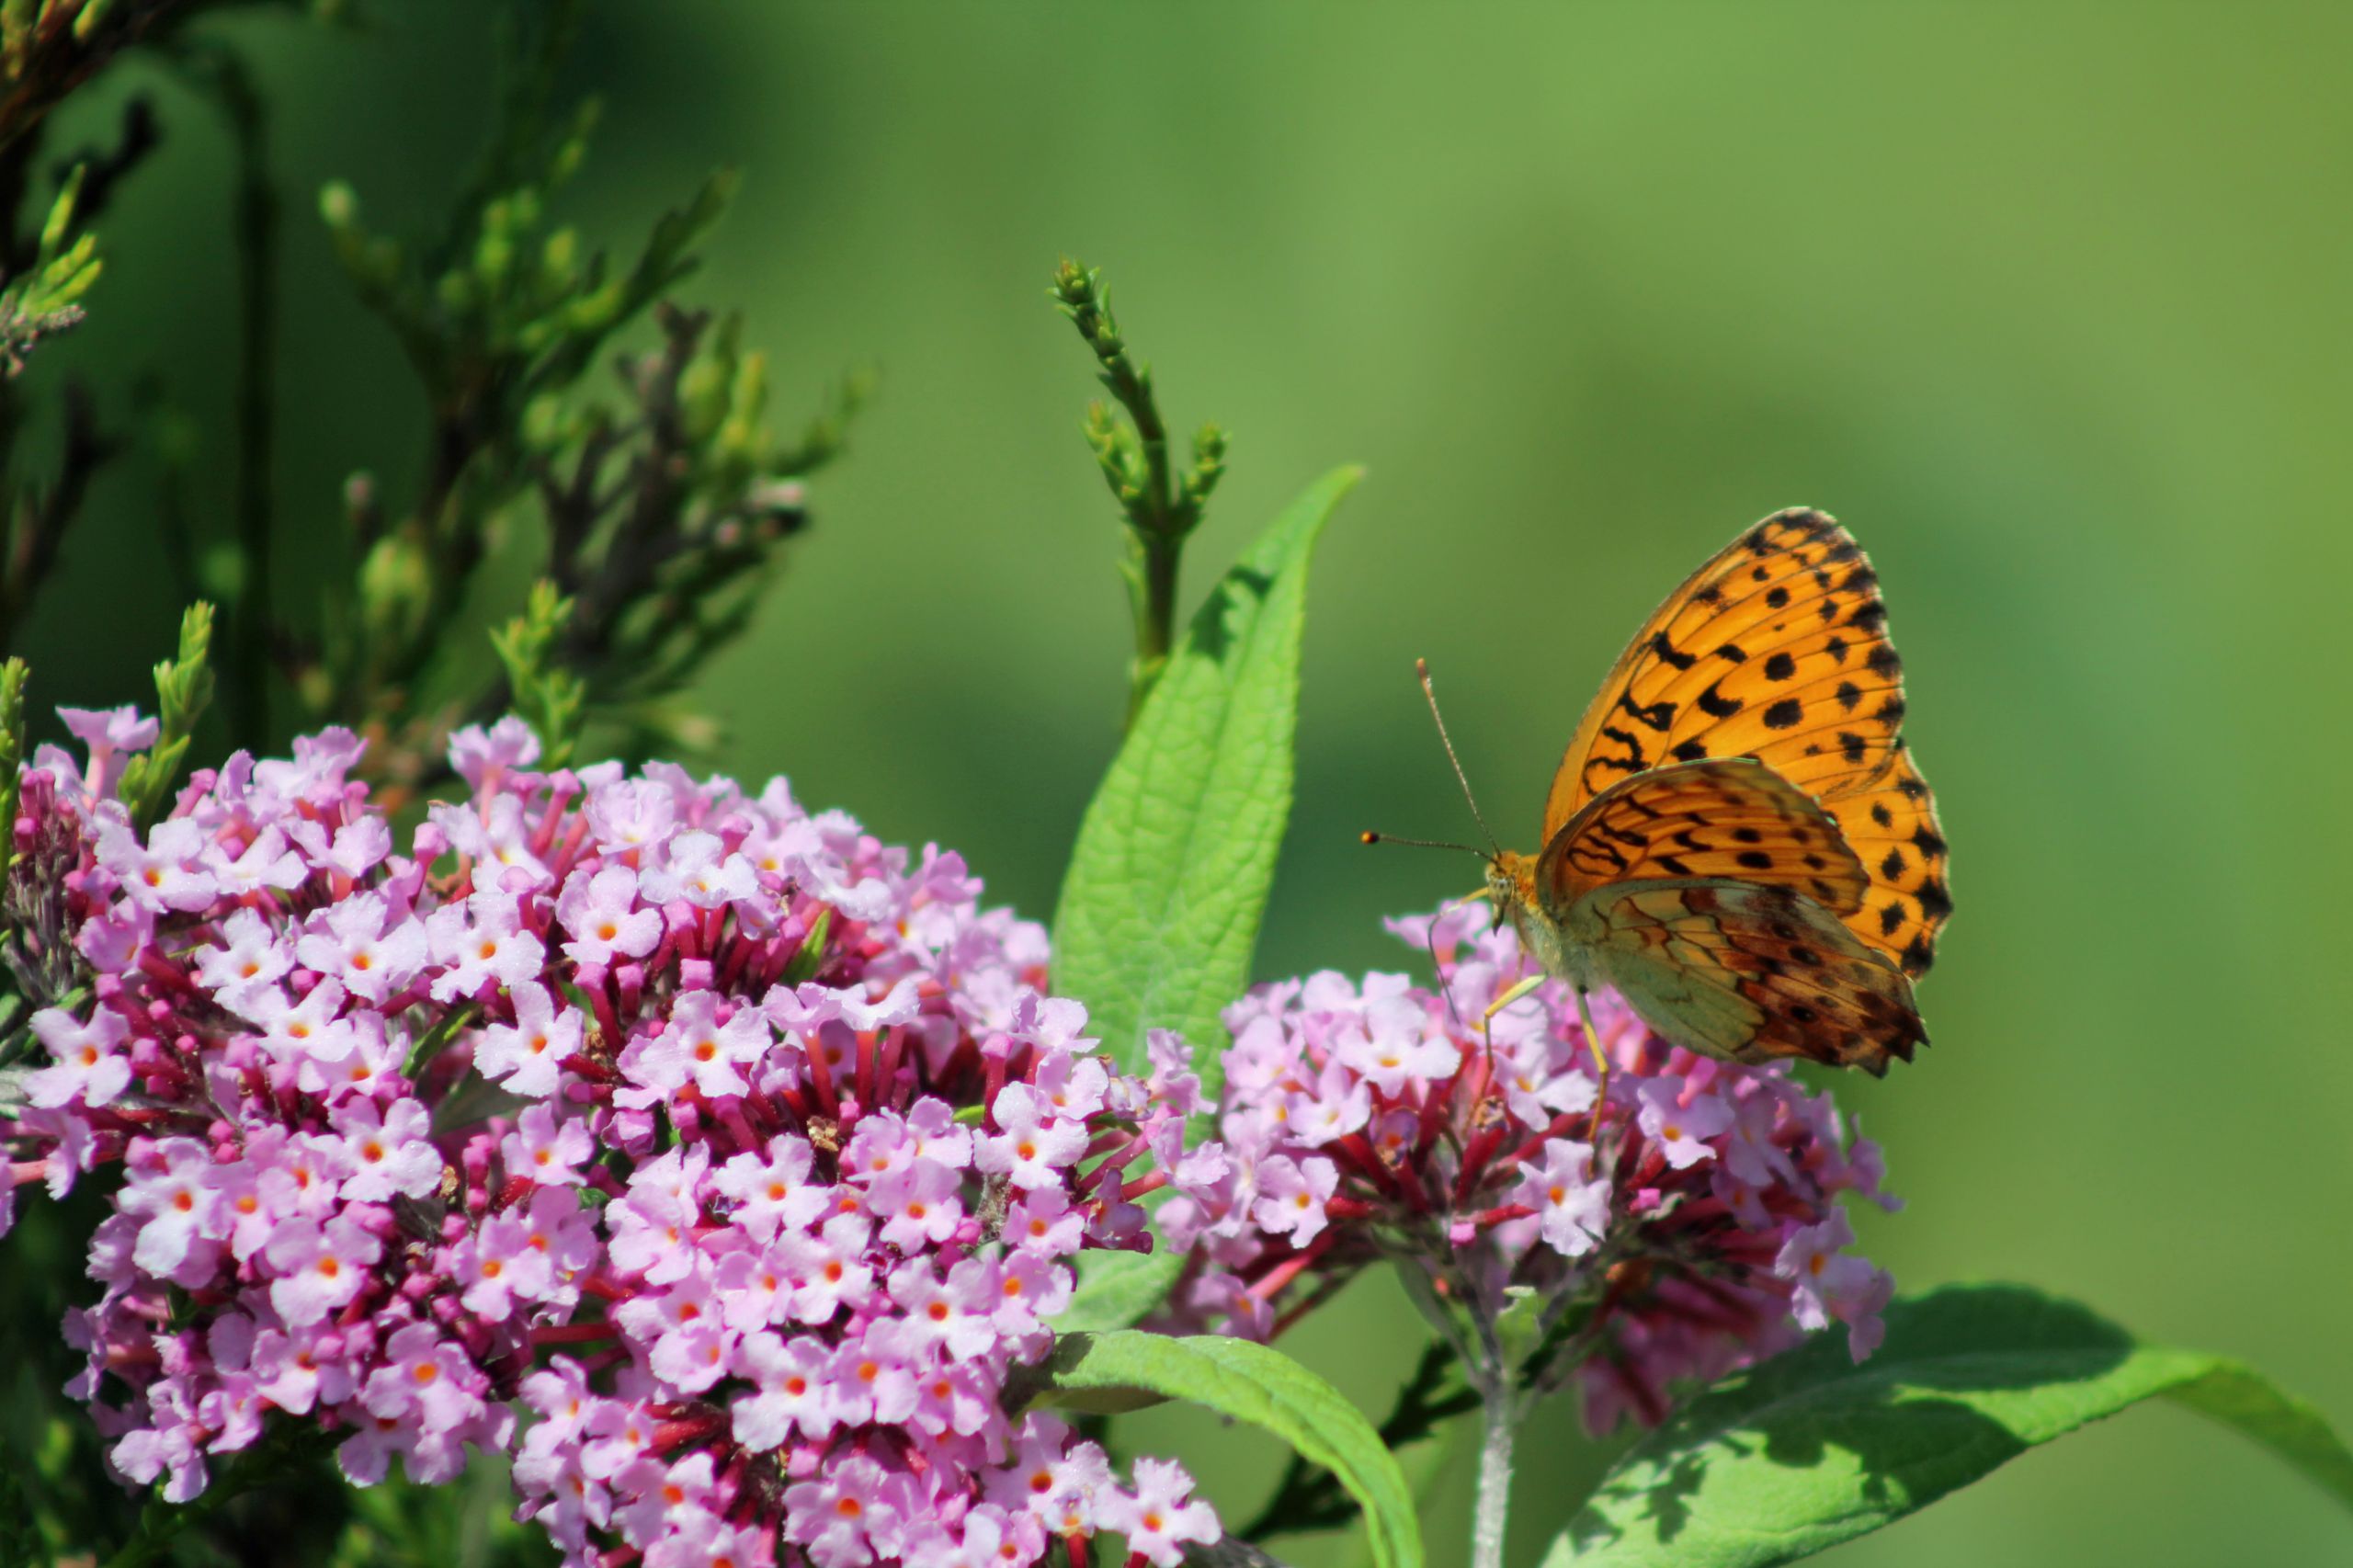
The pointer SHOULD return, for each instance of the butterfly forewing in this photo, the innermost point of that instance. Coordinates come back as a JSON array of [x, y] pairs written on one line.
[[1777, 650], [1730, 818], [1751, 973]]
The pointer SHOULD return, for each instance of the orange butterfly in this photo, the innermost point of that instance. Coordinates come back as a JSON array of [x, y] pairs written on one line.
[[1737, 842]]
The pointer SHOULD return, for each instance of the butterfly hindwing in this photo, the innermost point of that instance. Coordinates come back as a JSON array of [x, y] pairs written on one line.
[[1731, 818], [1777, 649], [1750, 973], [1892, 828]]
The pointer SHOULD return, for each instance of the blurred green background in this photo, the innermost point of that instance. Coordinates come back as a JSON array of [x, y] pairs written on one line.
[[2048, 303]]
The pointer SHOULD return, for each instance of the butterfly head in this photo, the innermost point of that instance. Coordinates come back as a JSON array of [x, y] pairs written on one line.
[[1511, 884]]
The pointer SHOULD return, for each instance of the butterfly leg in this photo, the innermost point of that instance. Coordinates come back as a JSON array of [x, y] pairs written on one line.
[[1487, 1020], [1600, 1065]]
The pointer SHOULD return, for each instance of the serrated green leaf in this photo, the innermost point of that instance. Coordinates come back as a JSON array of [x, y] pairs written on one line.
[[1257, 1385], [1118, 1289], [1809, 1449], [1160, 908]]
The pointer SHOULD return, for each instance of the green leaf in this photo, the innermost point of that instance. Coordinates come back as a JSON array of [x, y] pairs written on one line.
[[1160, 908], [1118, 1289], [1809, 1449], [1248, 1382]]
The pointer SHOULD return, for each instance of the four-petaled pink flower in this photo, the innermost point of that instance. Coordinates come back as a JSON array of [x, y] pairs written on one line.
[[90, 1067], [526, 1057]]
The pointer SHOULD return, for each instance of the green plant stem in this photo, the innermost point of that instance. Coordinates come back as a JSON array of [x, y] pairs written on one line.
[[1499, 1412], [1159, 555], [1160, 511]]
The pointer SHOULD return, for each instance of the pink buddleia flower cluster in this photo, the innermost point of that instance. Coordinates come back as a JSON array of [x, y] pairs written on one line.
[[1697, 1230], [745, 1156]]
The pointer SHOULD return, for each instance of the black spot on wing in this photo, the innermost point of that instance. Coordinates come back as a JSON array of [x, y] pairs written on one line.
[[1780, 666], [1669, 652], [1655, 715], [1715, 704], [1784, 714]]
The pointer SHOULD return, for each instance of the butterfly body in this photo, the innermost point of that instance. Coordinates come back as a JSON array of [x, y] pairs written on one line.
[[1737, 841]]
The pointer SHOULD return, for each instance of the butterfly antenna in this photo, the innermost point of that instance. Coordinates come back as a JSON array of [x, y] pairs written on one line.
[[1422, 668], [1369, 837], [1445, 985]]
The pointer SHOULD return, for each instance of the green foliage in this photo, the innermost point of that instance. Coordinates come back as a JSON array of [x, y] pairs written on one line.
[[49, 275], [469, 1523], [1811, 1449], [47, 297], [1117, 1289], [1248, 1382], [661, 517], [1161, 509], [1160, 910], [183, 688], [1312, 1498], [13, 676], [47, 47], [548, 696]]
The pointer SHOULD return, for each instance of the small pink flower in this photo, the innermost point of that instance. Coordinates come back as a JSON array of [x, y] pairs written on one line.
[[263, 865], [1682, 1123], [699, 870], [90, 1066], [598, 909], [697, 1049], [1832, 1284], [363, 943], [390, 1151], [1573, 1203], [426, 1379], [772, 1191], [790, 1377], [837, 1517], [479, 754], [1160, 1517], [527, 1056], [545, 1150], [320, 1268], [483, 942], [1031, 1144], [164, 874]]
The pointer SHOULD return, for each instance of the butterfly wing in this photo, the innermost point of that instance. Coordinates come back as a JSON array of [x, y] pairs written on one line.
[[1777, 649], [1727, 817], [1892, 826], [1749, 974]]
